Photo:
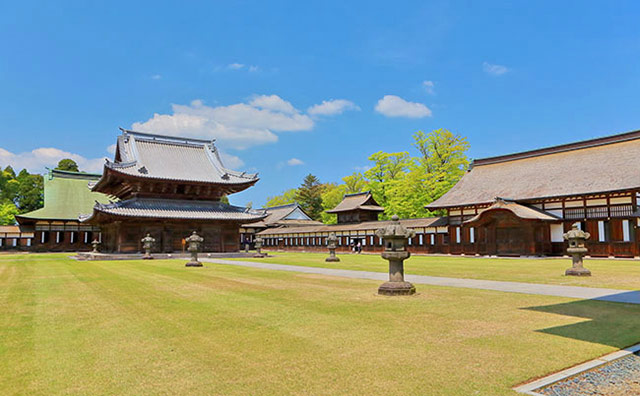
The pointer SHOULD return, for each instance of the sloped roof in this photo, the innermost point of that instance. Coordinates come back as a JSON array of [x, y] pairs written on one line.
[[363, 201], [605, 164], [176, 209], [364, 226], [277, 215], [66, 196], [521, 211], [150, 156]]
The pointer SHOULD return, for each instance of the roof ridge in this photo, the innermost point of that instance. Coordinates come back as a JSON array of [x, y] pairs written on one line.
[[168, 137], [355, 194], [578, 145]]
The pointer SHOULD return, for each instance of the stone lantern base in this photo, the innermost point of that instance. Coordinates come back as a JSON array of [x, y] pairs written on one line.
[[580, 271], [193, 264], [333, 259], [397, 289], [147, 257]]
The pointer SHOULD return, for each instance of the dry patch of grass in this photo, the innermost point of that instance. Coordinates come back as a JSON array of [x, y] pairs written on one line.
[[156, 327]]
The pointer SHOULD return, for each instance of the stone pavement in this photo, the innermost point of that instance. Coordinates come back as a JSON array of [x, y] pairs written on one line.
[[588, 293]]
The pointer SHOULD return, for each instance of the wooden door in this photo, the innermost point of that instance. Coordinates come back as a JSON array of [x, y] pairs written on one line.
[[510, 240]]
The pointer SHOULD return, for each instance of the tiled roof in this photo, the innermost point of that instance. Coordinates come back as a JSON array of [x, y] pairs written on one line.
[[363, 200], [594, 166], [161, 157], [277, 215], [176, 209], [66, 196], [521, 211], [364, 226]]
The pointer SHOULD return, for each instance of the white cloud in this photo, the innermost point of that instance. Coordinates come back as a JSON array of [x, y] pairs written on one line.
[[237, 126], [241, 66], [36, 160], [395, 106], [295, 162], [495, 70], [429, 87], [156, 77], [231, 161], [332, 107], [273, 102]]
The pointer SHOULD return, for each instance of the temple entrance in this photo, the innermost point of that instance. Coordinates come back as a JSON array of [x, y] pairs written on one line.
[[511, 240]]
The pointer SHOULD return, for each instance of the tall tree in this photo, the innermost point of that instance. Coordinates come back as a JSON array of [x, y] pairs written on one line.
[[30, 192], [67, 164], [309, 196]]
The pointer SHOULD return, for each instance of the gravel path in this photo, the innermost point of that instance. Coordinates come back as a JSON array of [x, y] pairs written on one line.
[[618, 378]]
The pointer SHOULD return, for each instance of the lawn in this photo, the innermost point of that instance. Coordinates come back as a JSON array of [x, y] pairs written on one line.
[[614, 274], [156, 327]]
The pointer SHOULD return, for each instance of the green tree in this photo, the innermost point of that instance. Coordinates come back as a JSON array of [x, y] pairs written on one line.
[[30, 192], [309, 197], [286, 198], [355, 183], [385, 179], [7, 213], [332, 194], [67, 164]]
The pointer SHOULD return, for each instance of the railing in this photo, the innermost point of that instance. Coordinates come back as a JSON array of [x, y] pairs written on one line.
[[598, 212]]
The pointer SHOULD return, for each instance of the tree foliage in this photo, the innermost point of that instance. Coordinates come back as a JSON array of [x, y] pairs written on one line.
[[67, 164], [7, 212], [401, 183], [309, 196], [22, 193], [286, 198]]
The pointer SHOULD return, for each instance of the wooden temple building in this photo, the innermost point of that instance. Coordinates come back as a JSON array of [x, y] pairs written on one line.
[[168, 187], [56, 226], [521, 204], [357, 222], [283, 216]]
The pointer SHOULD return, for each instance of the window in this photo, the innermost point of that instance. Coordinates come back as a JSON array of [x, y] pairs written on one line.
[[602, 231], [371, 240], [29, 242], [626, 231], [445, 239], [410, 241], [433, 239], [472, 235], [58, 238], [457, 234], [379, 241], [15, 242], [421, 239], [1, 242], [72, 236]]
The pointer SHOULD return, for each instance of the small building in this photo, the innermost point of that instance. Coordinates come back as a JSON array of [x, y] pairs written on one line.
[[523, 203], [431, 232], [357, 208], [169, 186], [291, 215], [56, 226], [14, 238]]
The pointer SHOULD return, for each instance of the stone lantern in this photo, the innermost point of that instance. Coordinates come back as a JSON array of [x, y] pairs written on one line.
[[147, 245], [332, 243], [258, 244], [194, 241], [576, 238], [395, 237], [95, 245]]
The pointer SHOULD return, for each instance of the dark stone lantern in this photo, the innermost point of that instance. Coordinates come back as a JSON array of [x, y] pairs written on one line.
[[332, 243], [395, 237], [258, 243], [95, 245], [576, 238], [194, 241], [147, 245]]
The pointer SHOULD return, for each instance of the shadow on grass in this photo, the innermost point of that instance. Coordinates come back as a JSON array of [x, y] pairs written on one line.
[[613, 324]]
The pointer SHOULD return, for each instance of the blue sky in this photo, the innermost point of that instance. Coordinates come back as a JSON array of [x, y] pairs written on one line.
[[289, 88]]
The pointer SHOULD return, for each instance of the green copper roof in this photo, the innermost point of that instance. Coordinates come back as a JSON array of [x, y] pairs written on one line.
[[66, 196]]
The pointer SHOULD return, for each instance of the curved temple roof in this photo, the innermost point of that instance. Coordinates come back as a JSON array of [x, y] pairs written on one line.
[[148, 156], [362, 200], [175, 209], [601, 165]]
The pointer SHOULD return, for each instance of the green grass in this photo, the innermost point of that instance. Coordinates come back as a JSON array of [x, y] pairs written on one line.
[[614, 274], [158, 328]]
